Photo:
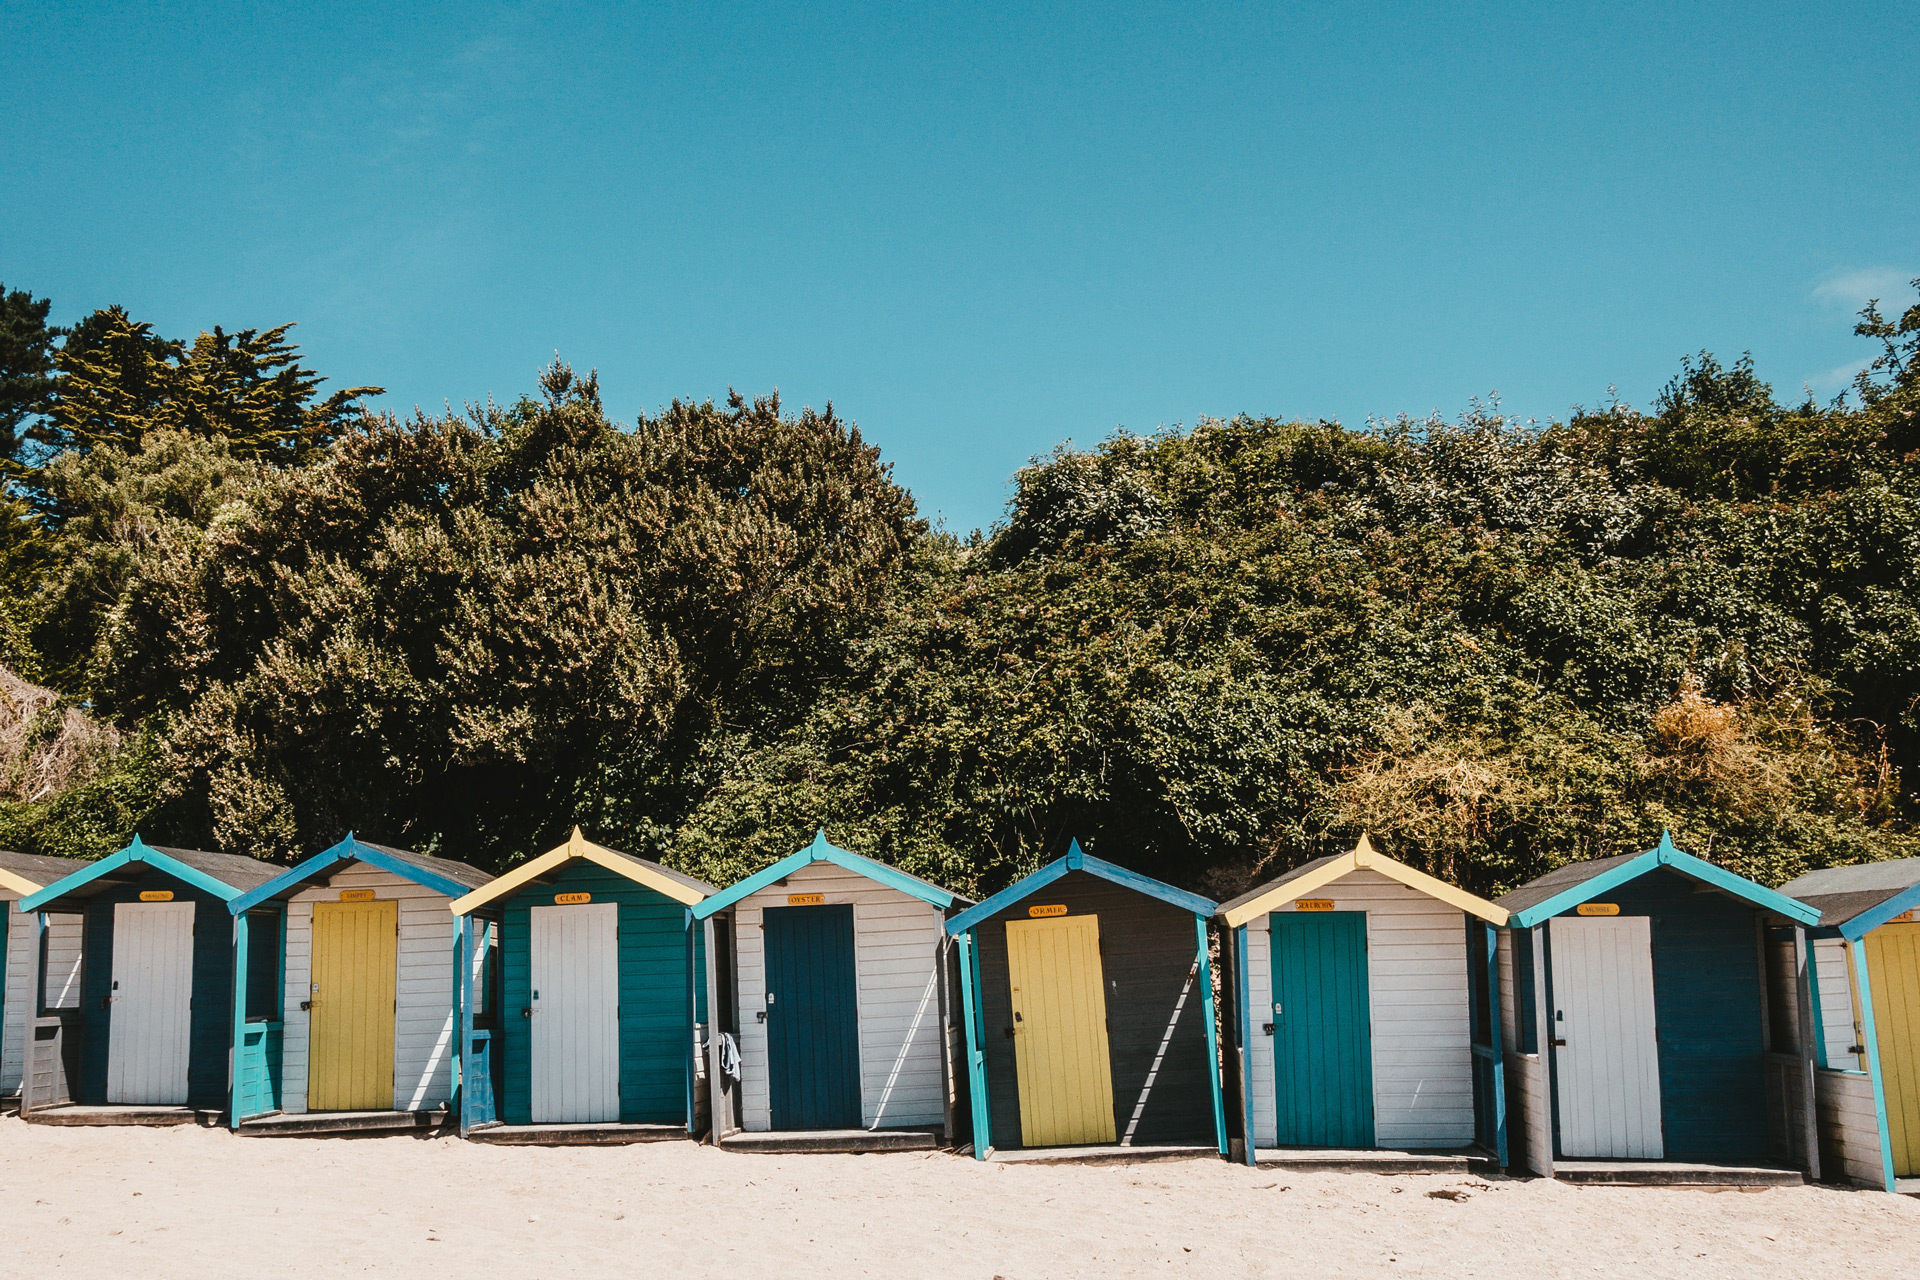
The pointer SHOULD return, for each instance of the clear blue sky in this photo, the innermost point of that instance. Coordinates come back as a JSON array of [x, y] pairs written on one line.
[[980, 230]]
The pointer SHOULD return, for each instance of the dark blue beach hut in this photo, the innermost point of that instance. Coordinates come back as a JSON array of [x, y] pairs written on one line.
[[1089, 1012], [1636, 988], [149, 1039]]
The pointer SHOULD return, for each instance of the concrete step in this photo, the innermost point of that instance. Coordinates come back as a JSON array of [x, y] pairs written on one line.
[[1669, 1173], [1100, 1155], [576, 1135], [129, 1115], [321, 1124], [820, 1141], [1366, 1160]]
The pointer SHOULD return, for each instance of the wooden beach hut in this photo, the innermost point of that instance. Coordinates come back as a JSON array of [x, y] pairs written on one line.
[[1359, 990], [345, 998], [1089, 1012], [148, 1040], [831, 988], [22, 934], [1865, 998], [588, 1034], [1636, 989]]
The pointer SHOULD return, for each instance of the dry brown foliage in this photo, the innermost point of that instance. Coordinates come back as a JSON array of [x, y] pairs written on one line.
[[47, 748]]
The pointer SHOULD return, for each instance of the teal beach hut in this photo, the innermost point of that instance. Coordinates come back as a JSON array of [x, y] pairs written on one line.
[[581, 1018], [149, 1040], [1636, 990]]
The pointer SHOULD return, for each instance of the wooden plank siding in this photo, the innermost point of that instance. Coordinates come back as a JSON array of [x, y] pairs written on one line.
[[22, 948], [1529, 1095], [423, 988], [897, 941], [1839, 1028], [654, 1035], [1849, 1129], [1148, 951], [1417, 975]]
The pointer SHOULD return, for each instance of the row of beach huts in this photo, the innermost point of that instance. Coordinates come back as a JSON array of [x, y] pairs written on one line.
[[1649, 1017]]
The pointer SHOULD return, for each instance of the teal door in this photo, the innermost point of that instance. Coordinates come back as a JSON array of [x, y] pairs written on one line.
[[1322, 1040], [813, 1018]]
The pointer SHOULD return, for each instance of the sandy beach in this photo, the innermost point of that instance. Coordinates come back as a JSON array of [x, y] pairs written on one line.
[[191, 1202]]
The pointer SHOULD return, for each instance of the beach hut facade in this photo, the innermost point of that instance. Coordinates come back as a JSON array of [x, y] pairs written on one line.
[[1865, 962], [1089, 1012], [22, 935], [1355, 998], [151, 1029], [830, 980], [595, 1020], [345, 993], [1635, 987]]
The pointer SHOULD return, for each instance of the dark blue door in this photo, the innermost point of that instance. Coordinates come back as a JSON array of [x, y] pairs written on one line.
[[1322, 1046], [813, 1027]]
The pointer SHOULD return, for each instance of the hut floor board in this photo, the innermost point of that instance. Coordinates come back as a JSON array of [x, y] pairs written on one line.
[[1369, 1160], [320, 1124], [827, 1141], [1906, 1186], [577, 1135], [1101, 1155], [1664, 1173], [99, 1115]]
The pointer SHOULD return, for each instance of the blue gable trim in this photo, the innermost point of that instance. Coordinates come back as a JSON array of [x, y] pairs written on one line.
[[821, 850], [348, 850], [1077, 860], [1873, 917], [138, 851], [1665, 855]]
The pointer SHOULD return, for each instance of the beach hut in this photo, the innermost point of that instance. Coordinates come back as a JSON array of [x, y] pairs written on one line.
[[148, 1041], [1089, 1012], [21, 938], [831, 988], [589, 1034], [1867, 1050], [1636, 989], [344, 992], [1357, 984]]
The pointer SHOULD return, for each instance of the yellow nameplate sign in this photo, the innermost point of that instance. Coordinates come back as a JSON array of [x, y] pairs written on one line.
[[156, 895], [572, 899], [356, 895], [805, 899], [1313, 904], [1598, 909], [1057, 909]]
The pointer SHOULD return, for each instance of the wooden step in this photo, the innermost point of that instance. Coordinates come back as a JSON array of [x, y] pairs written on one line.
[[576, 1135]]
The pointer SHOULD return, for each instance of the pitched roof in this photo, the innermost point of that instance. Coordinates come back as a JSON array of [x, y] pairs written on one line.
[[224, 875], [1859, 898], [1078, 860], [1307, 877], [25, 873], [1566, 887], [663, 880], [442, 875]]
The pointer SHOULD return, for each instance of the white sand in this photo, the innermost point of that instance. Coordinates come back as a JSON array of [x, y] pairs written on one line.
[[191, 1202]]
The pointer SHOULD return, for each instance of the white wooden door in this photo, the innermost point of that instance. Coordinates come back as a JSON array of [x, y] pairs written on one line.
[[575, 973], [149, 1028], [1606, 1055]]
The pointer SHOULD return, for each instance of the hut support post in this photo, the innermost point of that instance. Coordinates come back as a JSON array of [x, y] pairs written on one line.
[[237, 1065], [976, 1059], [1809, 1032], [1813, 1006], [1243, 996], [1205, 962], [1497, 1061], [687, 1032], [463, 1012], [1871, 1043]]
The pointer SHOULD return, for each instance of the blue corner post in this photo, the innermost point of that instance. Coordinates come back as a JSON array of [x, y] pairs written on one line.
[[237, 1073], [1243, 996], [463, 1006], [1497, 1062], [1204, 961], [1872, 1039], [976, 1058], [693, 1014]]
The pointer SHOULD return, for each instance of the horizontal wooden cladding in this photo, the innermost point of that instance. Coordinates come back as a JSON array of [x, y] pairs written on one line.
[[1833, 968], [1849, 1128], [1147, 950]]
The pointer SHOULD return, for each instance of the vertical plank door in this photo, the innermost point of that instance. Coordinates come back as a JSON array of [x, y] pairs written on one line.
[[1322, 1033], [1060, 1049], [1893, 966], [813, 1018], [149, 1030], [1605, 1045], [574, 969], [350, 1035]]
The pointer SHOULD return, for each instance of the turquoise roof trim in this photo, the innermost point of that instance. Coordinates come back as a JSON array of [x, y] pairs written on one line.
[[1078, 860], [138, 851], [821, 850], [348, 850], [1873, 917], [1665, 855]]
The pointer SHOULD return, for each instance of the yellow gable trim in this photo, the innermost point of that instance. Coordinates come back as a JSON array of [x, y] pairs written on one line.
[[577, 846], [19, 884], [1365, 856], [1300, 888]]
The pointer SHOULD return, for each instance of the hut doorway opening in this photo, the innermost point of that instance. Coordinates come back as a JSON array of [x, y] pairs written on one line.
[[812, 1014], [1060, 1031], [1607, 1056], [574, 967], [149, 1037], [1893, 960], [1322, 1037], [355, 958]]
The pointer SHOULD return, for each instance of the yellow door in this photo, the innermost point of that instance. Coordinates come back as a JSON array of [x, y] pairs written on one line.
[[350, 1041], [1893, 968], [1060, 1031]]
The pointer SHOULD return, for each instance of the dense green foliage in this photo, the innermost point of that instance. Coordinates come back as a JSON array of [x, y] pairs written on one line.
[[1207, 653]]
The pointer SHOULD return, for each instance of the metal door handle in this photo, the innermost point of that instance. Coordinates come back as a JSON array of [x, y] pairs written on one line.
[[1557, 1043]]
